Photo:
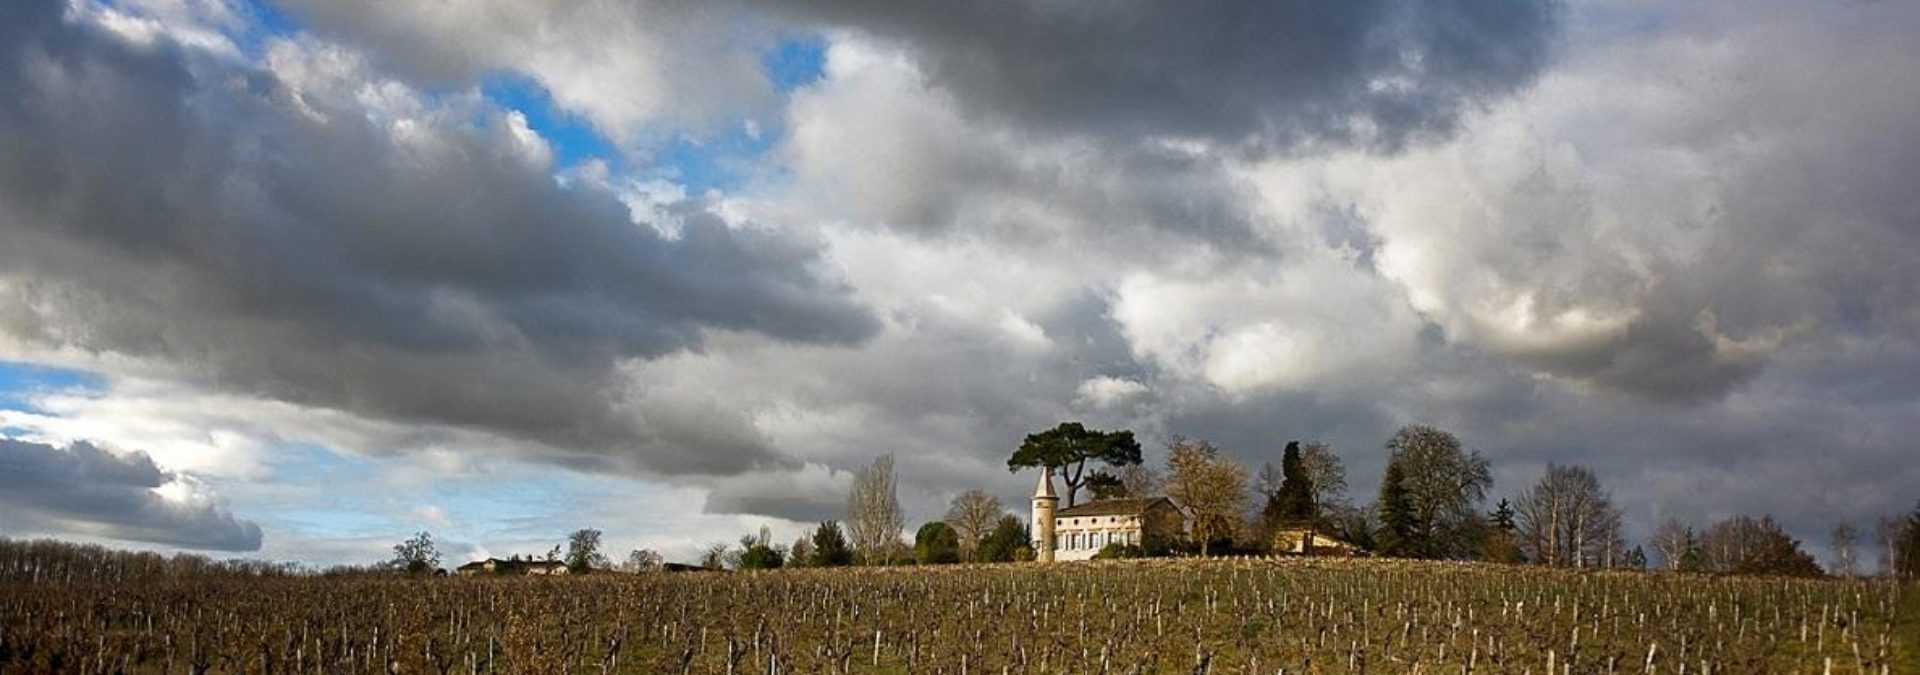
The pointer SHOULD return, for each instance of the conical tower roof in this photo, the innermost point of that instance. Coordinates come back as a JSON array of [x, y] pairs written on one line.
[[1045, 489]]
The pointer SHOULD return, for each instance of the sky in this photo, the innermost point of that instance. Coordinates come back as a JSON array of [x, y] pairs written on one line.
[[294, 279]]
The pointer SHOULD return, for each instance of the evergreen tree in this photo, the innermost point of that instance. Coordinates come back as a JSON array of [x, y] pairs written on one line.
[[1692, 556], [1502, 542], [830, 546], [1399, 526], [1296, 489], [1066, 450], [1291, 503], [1105, 485], [936, 544], [1003, 543], [1502, 516], [760, 556]]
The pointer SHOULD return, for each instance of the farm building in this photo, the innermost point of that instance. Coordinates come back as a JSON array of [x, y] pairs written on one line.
[[1079, 532], [498, 566], [1293, 540]]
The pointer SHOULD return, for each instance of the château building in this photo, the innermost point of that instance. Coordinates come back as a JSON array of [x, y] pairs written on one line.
[[1079, 532]]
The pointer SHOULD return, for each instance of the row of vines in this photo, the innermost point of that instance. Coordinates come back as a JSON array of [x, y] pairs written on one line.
[[1221, 616]]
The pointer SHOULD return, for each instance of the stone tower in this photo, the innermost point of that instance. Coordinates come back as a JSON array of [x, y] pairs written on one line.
[[1044, 502]]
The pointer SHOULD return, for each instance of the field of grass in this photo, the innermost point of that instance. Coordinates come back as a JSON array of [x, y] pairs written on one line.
[[1215, 616]]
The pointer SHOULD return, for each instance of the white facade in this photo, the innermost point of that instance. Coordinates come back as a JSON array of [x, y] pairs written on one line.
[[1080, 537], [1079, 532]]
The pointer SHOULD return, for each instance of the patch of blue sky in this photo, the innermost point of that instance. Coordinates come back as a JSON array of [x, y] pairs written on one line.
[[722, 163], [21, 383], [725, 161], [795, 63], [572, 137], [316, 492], [265, 22]]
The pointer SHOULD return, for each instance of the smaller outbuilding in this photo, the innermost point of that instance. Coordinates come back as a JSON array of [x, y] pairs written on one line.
[[496, 566], [1294, 541]]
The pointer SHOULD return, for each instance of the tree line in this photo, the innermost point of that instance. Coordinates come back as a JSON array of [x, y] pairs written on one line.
[[1431, 504]]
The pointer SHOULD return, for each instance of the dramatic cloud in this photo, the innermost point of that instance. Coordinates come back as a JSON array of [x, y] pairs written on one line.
[[1261, 75], [1673, 243], [313, 233], [84, 489], [873, 144], [644, 67], [1670, 242]]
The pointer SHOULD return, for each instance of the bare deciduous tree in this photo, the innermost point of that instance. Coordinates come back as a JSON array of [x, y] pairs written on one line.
[[1890, 532], [1846, 560], [1671, 540], [583, 551], [971, 515], [642, 560], [1444, 485], [416, 555], [1141, 481], [1567, 520], [1266, 483], [1745, 545], [1210, 486], [873, 512], [1328, 475]]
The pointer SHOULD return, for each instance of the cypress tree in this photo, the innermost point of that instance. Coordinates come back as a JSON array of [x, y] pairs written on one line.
[[1296, 488], [1293, 503], [1398, 524]]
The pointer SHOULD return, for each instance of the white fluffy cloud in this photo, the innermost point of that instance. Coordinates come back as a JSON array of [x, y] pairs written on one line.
[[1323, 323]]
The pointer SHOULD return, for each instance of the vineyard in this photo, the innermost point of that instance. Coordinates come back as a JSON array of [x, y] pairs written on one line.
[[1219, 616]]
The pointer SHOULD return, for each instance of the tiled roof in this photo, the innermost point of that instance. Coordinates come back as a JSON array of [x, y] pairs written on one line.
[[1110, 507]]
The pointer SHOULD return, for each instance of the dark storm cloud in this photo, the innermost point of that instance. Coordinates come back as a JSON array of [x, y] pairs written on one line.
[[1258, 74], [287, 239], [85, 490]]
